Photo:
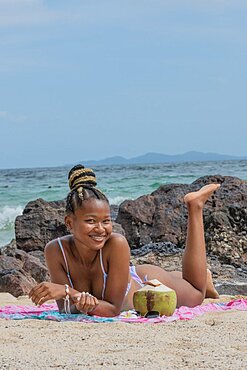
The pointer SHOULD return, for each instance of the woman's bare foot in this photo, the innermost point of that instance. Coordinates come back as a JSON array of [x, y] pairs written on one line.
[[211, 292], [199, 198]]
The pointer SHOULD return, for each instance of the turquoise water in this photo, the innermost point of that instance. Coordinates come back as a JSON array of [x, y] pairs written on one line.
[[19, 186]]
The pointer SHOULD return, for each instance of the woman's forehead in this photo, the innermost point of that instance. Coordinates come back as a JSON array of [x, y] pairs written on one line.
[[92, 206]]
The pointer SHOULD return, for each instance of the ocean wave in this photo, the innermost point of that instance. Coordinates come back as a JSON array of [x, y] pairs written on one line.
[[8, 216], [117, 200]]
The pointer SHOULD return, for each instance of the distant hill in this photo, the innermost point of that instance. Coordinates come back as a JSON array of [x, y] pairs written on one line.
[[150, 158]]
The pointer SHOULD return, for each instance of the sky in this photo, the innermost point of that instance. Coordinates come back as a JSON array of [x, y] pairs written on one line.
[[87, 79]]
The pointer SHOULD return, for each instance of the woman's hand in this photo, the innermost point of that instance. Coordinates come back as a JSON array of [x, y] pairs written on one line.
[[45, 291], [85, 302]]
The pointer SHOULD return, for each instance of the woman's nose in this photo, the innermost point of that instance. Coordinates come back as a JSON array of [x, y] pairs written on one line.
[[99, 226]]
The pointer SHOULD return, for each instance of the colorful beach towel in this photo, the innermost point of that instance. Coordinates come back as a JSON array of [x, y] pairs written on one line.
[[50, 312]]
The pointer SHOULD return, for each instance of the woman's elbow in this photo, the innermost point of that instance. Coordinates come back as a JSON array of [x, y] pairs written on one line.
[[116, 311]]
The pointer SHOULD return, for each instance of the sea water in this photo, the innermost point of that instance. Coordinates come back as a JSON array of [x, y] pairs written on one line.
[[118, 182]]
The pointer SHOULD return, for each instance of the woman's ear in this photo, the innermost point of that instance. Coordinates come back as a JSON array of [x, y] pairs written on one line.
[[68, 222]]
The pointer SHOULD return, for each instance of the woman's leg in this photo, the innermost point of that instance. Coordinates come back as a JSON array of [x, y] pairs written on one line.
[[211, 292], [191, 288], [194, 266]]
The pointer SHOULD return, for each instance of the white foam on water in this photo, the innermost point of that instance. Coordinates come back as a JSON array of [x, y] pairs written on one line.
[[117, 200], [8, 216]]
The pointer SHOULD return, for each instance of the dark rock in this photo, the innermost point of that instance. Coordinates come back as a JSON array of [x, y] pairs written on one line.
[[158, 257], [16, 282], [36, 269], [114, 211], [117, 228], [41, 222], [8, 262], [20, 255], [21, 267], [9, 249], [162, 217], [162, 249], [40, 255], [232, 288]]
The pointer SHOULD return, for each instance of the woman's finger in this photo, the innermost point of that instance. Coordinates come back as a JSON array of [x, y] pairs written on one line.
[[37, 289], [96, 302], [93, 304], [83, 299], [44, 299], [41, 301], [85, 302], [88, 302], [38, 294], [42, 290], [37, 298], [80, 301], [76, 298], [34, 290]]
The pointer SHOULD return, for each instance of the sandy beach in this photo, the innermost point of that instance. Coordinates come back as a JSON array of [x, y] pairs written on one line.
[[212, 341]]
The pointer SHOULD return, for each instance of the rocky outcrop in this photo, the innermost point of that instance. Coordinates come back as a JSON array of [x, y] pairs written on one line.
[[41, 222], [16, 282], [162, 217], [20, 271]]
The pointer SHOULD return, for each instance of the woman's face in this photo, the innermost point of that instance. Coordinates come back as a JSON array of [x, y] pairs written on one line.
[[91, 225]]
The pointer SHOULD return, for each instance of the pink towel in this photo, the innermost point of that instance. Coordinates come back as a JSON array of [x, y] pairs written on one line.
[[50, 312]]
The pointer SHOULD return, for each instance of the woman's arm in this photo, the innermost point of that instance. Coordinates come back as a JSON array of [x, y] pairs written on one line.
[[55, 289]]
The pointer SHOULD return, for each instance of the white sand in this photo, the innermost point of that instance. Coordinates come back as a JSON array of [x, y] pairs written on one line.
[[212, 341]]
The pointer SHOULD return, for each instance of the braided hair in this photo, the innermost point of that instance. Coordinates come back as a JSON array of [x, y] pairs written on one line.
[[82, 183]]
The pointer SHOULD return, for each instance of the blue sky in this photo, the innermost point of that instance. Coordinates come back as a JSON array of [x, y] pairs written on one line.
[[87, 79]]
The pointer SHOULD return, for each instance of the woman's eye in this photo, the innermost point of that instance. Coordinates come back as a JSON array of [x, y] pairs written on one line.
[[90, 221], [107, 221]]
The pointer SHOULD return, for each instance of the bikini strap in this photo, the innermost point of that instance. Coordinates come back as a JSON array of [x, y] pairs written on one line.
[[65, 260], [104, 274], [101, 262]]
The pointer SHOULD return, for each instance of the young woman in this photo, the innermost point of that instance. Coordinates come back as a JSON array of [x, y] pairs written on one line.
[[89, 268]]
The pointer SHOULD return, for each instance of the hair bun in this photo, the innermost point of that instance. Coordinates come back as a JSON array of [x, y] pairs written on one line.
[[79, 176]]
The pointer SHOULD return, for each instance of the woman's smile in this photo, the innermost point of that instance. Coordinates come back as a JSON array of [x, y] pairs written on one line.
[[98, 238]]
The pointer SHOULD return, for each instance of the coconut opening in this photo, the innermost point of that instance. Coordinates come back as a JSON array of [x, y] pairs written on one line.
[[157, 288]]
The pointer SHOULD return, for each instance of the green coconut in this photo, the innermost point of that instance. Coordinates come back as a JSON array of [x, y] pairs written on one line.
[[155, 297]]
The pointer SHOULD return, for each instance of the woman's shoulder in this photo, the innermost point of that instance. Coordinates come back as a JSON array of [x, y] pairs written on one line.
[[116, 250], [115, 243], [118, 238], [54, 246]]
